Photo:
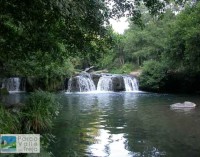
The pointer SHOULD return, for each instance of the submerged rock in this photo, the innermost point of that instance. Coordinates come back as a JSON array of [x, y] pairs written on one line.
[[186, 104]]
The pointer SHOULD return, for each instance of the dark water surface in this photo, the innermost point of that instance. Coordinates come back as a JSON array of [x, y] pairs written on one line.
[[126, 125]]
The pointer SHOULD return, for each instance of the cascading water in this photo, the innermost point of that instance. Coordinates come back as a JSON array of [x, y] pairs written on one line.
[[86, 82], [130, 83], [81, 83], [105, 84], [69, 88], [14, 84]]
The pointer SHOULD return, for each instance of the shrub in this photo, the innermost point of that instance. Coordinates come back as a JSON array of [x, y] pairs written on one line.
[[9, 121], [35, 117], [124, 69], [41, 107], [153, 75]]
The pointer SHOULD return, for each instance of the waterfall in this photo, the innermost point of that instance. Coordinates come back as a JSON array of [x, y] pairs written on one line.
[[14, 84], [130, 83], [86, 82], [105, 84], [81, 83], [69, 88]]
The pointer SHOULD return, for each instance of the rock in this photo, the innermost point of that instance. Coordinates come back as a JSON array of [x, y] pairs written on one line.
[[118, 83], [189, 104], [95, 78], [186, 104], [176, 105]]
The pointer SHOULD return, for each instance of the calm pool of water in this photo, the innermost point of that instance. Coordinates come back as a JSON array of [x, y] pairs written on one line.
[[126, 125]]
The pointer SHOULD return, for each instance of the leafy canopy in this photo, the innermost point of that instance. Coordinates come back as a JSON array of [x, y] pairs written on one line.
[[40, 37]]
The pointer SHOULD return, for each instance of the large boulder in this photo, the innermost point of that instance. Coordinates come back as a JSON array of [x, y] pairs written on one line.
[[186, 104], [118, 83]]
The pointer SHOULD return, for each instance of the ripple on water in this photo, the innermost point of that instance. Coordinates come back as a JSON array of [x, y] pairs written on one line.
[[108, 144], [127, 125]]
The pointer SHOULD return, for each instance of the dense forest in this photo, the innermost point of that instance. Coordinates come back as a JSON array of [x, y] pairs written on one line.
[[47, 41], [165, 48]]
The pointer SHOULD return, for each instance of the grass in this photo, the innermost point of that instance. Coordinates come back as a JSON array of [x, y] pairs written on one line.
[[36, 116], [39, 112], [9, 121]]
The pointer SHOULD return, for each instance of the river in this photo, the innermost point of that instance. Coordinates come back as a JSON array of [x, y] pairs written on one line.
[[126, 124], [123, 124]]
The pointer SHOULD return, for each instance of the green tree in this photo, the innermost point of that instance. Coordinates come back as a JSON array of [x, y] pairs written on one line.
[[183, 52], [147, 43], [178, 64], [40, 35], [154, 75]]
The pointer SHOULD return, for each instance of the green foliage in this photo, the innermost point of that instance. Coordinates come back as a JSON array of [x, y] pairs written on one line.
[[38, 38], [184, 53], [9, 121], [153, 75], [35, 117], [155, 8], [149, 42], [138, 45], [107, 60], [124, 69], [170, 43], [173, 40], [38, 114], [41, 108], [48, 39], [115, 59]]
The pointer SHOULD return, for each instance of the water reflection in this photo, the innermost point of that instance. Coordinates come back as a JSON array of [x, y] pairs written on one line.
[[108, 144], [126, 124], [13, 98], [183, 110]]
